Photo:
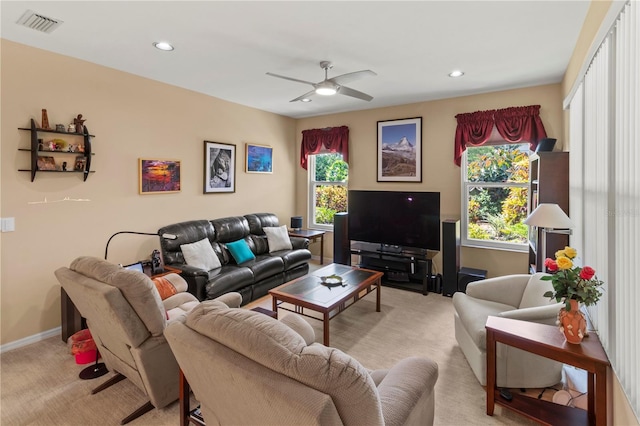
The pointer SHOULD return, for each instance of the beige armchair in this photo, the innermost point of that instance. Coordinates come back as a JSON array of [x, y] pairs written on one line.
[[247, 368], [127, 318], [513, 296]]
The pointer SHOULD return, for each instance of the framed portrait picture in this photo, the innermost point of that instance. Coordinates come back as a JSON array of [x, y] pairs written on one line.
[[259, 159], [46, 163], [158, 176], [219, 167], [400, 150]]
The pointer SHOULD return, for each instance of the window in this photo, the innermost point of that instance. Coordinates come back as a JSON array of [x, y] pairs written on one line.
[[328, 175], [494, 196]]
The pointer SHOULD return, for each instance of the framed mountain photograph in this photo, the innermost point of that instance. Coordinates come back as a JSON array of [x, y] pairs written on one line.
[[400, 150]]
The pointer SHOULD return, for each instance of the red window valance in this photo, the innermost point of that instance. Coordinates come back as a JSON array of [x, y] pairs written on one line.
[[335, 139], [515, 124]]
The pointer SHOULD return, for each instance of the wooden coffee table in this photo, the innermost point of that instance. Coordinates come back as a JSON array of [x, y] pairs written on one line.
[[308, 292]]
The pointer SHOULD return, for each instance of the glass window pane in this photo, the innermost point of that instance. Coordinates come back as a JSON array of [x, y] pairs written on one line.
[[496, 214], [498, 163], [329, 200], [330, 168]]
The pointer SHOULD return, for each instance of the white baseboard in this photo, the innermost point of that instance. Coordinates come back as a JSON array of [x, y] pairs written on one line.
[[31, 339]]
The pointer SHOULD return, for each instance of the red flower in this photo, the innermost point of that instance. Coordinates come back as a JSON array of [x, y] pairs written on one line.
[[550, 264], [587, 273]]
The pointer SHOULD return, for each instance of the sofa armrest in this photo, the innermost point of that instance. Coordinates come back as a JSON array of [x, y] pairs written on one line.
[[507, 290], [299, 242], [546, 314], [408, 384], [196, 279], [231, 299]]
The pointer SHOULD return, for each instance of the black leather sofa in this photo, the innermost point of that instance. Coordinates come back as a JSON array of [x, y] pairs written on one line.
[[252, 279]]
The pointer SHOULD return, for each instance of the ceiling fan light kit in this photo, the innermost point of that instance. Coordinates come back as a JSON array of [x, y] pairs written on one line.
[[331, 86]]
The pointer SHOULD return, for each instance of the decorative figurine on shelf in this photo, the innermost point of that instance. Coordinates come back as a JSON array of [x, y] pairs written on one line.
[[79, 123], [45, 119], [59, 127], [64, 166], [71, 128]]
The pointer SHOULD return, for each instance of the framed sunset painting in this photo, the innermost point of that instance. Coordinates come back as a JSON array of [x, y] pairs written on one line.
[[158, 176]]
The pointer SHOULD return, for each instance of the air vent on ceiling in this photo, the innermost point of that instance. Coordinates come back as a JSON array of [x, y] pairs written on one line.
[[38, 22]]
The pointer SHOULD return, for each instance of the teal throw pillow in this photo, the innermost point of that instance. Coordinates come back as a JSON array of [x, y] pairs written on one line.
[[240, 251]]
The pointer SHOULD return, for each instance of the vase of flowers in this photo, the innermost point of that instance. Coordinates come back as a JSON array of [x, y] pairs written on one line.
[[574, 286]]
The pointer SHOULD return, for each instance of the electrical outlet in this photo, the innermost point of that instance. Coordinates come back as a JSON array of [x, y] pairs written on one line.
[[8, 224]]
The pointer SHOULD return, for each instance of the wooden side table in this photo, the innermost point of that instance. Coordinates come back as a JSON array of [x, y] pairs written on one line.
[[547, 341], [313, 235]]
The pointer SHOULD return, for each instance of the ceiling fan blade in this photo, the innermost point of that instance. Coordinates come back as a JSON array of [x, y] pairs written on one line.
[[354, 93], [306, 95], [346, 78], [290, 78]]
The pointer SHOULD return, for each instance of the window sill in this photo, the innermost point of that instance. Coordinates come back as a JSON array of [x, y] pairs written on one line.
[[523, 250]]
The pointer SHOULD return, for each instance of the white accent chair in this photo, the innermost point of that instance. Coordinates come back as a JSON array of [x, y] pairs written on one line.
[[517, 297]]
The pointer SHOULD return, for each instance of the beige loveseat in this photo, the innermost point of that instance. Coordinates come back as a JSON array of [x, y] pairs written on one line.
[[127, 318], [517, 297], [247, 368]]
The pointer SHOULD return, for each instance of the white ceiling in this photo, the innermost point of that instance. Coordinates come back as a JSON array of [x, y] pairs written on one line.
[[224, 48]]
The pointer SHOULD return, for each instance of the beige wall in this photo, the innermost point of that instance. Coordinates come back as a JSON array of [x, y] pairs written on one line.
[[132, 117], [439, 172]]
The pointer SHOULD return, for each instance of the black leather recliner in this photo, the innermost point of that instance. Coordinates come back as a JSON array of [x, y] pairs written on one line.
[[252, 279]]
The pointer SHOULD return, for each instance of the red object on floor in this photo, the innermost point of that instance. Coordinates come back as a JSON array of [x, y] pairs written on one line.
[[86, 357]]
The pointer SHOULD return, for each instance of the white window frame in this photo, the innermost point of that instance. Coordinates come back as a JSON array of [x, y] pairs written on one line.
[[311, 203], [464, 222]]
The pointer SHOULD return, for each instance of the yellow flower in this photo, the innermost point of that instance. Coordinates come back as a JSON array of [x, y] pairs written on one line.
[[564, 263], [560, 253], [570, 252]]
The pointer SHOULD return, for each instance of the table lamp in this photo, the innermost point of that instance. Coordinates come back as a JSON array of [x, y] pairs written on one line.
[[296, 222], [550, 219]]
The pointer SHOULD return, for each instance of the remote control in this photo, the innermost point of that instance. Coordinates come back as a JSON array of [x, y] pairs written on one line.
[[506, 394]]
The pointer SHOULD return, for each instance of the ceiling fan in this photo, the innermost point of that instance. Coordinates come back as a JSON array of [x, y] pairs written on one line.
[[331, 86]]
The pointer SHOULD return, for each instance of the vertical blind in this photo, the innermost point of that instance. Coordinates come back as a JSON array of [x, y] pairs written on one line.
[[605, 198]]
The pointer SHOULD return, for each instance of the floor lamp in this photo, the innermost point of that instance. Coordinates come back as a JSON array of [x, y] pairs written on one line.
[[99, 368], [550, 219]]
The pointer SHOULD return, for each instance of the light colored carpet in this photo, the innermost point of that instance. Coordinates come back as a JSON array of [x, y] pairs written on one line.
[[40, 384]]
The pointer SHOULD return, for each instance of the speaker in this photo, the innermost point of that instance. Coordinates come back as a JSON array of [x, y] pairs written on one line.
[[468, 275], [296, 222], [341, 243], [450, 256], [546, 145]]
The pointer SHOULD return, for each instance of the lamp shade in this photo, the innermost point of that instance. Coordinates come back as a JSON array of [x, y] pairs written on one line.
[[549, 216], [296, 222]]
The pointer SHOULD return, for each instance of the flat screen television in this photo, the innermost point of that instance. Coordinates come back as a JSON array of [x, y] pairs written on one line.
[[406, 219]]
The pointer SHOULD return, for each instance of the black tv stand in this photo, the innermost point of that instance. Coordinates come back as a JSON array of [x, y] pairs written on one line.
[[404, 267], [387, 248]]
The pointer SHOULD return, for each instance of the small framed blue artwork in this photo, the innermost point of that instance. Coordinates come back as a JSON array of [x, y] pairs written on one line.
[[259, 159]]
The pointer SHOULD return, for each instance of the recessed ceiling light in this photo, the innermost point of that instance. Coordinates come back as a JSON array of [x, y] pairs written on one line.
[[163, 45], [456, 73], [305, 100]]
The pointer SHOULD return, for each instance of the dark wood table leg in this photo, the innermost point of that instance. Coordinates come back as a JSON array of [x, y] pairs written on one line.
[[491, 371], [322, 249], [325, 328], [379, 286], [184, 400], [274, 303], [600, 396]]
